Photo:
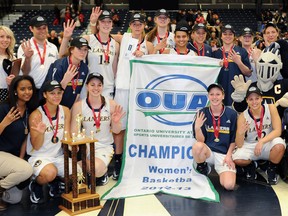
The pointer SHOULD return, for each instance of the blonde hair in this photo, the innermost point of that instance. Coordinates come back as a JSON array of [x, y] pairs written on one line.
[[10, 48]]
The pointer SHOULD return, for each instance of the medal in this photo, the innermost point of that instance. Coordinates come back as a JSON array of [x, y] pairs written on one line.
[[42, 58], [159, 40], [98, 130], [97, 119], [74, 92], [26, 131], [225, 59], [74, 81], [106, 52], [216, 127], [260, 127], [54, 139], [42, 66]]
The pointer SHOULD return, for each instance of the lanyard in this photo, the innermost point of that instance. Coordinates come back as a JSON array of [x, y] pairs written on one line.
[[259, 128], [106, 52], [42, 58], [74, 82], [178, 52], [216, 127], [96, 118], [198, 50], [159, 40], [225, 59], [50, 120]]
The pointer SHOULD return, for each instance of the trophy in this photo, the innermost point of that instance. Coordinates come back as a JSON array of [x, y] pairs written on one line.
[[79, 119]]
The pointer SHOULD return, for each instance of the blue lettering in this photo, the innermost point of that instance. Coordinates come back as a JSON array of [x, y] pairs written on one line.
[[132, 147], [174, 101], [149, 100], [197, 102]]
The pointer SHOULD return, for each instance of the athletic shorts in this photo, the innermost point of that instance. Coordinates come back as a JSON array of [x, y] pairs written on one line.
[[38, 163], [103, 153], [246, 152]]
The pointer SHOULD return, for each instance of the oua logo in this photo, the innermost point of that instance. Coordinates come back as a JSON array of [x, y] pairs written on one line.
[[167, 98]]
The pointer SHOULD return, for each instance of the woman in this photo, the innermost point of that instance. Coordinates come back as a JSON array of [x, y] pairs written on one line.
[[199, 35], [47, 125], [14, 113], [258, 136], [71, 71], [102, 116], [235, 62], [181, 38], [214, 129], [7, 43], [103, 56], [160, 36]]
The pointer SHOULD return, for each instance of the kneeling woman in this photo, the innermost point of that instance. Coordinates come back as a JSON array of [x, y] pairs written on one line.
[[216, 126], [47, 126], [102, 116], [258, 136]]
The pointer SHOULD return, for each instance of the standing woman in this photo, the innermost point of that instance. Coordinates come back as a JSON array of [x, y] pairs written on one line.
[[103, 56], [47, 125], [214, 129], [102, 116], [14, 112], [198, 45], [258, 137], [7, 43], [71, 71], [181, 41], [160, 36]]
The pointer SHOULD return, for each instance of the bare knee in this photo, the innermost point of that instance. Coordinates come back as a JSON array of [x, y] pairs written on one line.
[[198, 148]]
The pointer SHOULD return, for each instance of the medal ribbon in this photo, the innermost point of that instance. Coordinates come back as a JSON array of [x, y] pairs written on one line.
[[42, 58], [106, 52], [216, 127], [260, 127], [225, 59], [198, 50], [159, 40], [74, 82], [178, 52], [96, 119], [50, 120]]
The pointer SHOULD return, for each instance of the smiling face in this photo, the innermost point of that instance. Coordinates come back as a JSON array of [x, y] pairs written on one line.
[[199, 36], [105, 25], [5, 40], [254, 101], [94, 87], [162, 20], [270, 34], [227, 37], [24, 90], [54, 97], [215, 96], [181, 38]]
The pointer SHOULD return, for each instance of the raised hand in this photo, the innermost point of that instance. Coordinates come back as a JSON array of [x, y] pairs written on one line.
[[235, 57], [200, 119], [96, 12], [12, 115], [38, 125], [68, 28], [240, 88], [118, 114], [70, 73], [26, 47]]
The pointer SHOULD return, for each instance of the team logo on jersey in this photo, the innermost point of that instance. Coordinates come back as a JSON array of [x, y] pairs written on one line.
[[165, 102], [37, 163]]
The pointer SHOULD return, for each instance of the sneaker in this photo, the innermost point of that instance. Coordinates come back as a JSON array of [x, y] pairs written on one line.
[[56, 188], [117, 168], [251, 171], [103, 180], [36, 193], [203, 169], [273, 177], [12, 195]]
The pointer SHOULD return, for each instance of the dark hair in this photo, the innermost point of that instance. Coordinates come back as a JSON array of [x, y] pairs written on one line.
[[32, 104]]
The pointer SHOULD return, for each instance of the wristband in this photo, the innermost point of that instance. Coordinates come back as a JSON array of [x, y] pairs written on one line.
[[92, 24]]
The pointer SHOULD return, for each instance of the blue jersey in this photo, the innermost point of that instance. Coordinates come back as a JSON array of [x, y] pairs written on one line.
[[227, 132], [225, 77], [57, 71], [207, 49]]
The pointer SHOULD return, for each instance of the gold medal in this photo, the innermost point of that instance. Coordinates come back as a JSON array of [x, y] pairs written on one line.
[[26, 131], [42, 66], [54, 139], [216, 140], [98, 130]]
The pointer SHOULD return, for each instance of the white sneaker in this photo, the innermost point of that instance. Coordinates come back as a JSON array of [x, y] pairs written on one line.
[[12, 195]]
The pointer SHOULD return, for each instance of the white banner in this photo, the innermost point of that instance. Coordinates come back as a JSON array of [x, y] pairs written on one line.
[[165, 93]]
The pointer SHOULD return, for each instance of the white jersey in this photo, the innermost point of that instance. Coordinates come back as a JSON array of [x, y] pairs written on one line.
[[252, 136], [49, 149], [3, 75], [38, 72], [174, 52], [104, 136], [253, 76], [96, 62], [123, 69], [170, 41]]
